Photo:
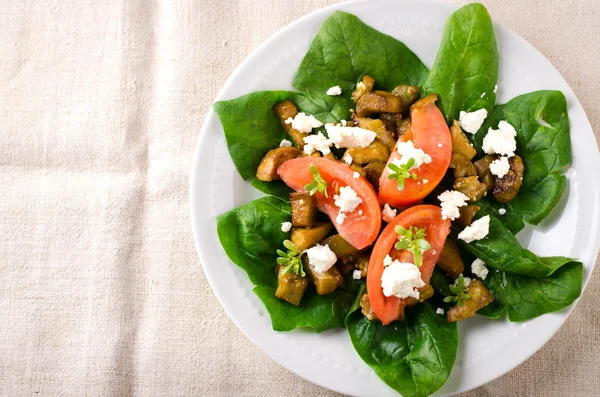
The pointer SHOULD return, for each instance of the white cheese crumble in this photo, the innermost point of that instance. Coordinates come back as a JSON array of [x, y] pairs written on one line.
[[407, 150], [471, 121], [286, 227], [388, 213], [500, 167], [321, 257], [347, 159], [502, 211], [334, 91], [477, 230], [425, 181], [387, 261], [317, 142], [304, 122], [347, 200], [440, 311], [451, 200], [355, 175], [344, 122], [349, 137], [356, 274], [501, 141], [401, 279], [439, 145], [360, 212], [479, 269], [467, 281], [339, 219], [285, 143]]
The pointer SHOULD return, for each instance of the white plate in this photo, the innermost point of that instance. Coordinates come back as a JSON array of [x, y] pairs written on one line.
[[487, 349]]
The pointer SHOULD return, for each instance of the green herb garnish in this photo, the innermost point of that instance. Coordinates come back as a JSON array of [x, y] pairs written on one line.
[[412, 239], [458, 290], [290, 259], [318, 184], [401, 172]]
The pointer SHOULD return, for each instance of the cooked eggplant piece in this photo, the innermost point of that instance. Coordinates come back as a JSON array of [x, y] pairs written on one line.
[[358, 169], [331, 156], [366, 308], [374, 170], [425, 292], [482, 166], [470, 186], [390, 121], [362, 263], [376, 151], [345, 265], [267, 169], [462, 166], [290, 286], [304, 209], [466, 214], [378, 102], [507, 187], [325, 282], [402, 127], [408, 94], [305, 237], [285, 110], [340, 247], [362, 88], [431, 98], [450, 261], [479, 297], [378, 127], [460, 142]]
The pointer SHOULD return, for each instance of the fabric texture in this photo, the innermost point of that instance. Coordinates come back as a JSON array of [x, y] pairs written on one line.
[[101, 291]]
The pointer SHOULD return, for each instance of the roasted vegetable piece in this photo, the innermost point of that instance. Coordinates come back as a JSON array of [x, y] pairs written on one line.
[[462, 166], [390, 121], [362, 263], [466, 214], [325, 282], [470, 186], [304, 209], [460, 142], [507, 187], [402, 127], [290, 286], [479, 297], [450, 261], [306, 237], [408, 94], [366, 308], [339, 246], [378, 127], [362, 88], [425, 293], [376, 151], [267, 169], [345, 265], [482, 166], [378, 102], [374, 171], [331, 156], [358, 169], [285, 110]]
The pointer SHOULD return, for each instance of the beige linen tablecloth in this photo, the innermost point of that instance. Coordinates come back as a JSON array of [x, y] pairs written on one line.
[[101, 292]]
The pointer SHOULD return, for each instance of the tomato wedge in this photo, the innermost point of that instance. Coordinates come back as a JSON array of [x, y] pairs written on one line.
[[430, 133], [428, 217], [359, 230]]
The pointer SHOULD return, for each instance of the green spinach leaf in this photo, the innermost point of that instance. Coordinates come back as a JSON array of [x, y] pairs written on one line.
[[274, 188], [250, 235], [544, 144], [414, 356], [465, 70], [344, 50]]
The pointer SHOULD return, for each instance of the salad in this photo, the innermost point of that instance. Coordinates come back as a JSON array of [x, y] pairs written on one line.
[[394, 194]]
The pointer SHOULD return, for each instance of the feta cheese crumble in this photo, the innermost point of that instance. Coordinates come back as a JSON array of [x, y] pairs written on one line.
[[304, 123], [339, 219], [388, 213], [467, 281], [501, 141], [479, 269], [344, 122], [451, 200], [387, 261], [476, 231], [356, 274], [285, 143], [349, 137], [334, 91], [471, 121], [355, 175], [401, 279], [407, 151], [347, 200], [286, 227], [502, 211], [347, 159], [500, 167], [440, 311], [321, 257], [317, 142]]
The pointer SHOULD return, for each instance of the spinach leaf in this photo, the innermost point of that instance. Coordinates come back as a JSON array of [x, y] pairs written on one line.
[[494, 310], [414, 356], [466, 66], [251, 127], [529, 297], [250, 235], [544, 144], [344, 50], [274, 188]]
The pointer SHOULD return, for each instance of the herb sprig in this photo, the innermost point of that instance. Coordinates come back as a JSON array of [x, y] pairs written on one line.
[[318, 184], [459, 291], [412, 239], [401, 172], [290, 259]]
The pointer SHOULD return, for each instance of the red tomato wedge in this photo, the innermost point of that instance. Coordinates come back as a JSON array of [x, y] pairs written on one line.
[[359, 230], [430, 133], [428, 217]]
